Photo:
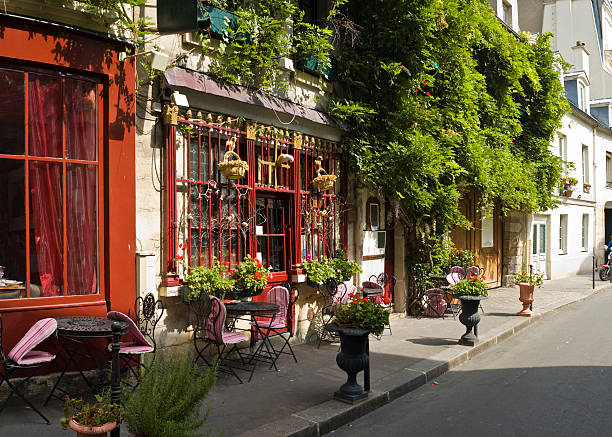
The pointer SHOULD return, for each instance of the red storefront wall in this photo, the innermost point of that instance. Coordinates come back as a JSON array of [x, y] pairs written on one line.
[[41, 45]]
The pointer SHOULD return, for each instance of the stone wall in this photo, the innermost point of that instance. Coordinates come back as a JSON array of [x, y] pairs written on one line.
[[515, 235]]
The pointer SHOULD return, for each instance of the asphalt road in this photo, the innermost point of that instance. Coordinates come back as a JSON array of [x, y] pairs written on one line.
[[551, 379]]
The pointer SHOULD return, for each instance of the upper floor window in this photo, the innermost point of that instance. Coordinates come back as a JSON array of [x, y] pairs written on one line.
[[609, 169], [50, 170], [373, 214], [582, 97], [562, 147], [507, 13], [563, 233], [585, 164]]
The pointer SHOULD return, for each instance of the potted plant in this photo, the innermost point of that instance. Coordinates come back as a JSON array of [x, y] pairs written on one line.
[[213, 280], [460, 257], [318, 272], [344, 269], [250, 278], [354, 321], [470, 292], [527, 282], [90, 419], [568, 185], [586, 187]]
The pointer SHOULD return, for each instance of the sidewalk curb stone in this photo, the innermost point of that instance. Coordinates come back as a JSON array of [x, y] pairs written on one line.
[[330, 415]]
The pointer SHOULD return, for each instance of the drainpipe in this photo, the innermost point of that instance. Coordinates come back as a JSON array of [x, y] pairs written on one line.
[[594, 188]]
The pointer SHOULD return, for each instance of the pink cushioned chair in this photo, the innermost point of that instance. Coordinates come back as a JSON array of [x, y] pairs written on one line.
[[279, 324], [24, 357], [341, 294], [211, 330]]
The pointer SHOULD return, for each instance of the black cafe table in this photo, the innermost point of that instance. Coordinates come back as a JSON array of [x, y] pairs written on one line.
[[252, 310], [75, 330]]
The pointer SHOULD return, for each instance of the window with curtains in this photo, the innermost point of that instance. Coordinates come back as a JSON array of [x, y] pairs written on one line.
[[273, 213], [49, 183]]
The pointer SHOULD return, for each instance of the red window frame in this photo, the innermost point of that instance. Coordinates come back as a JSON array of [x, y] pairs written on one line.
[[64, 300], [262, 180]]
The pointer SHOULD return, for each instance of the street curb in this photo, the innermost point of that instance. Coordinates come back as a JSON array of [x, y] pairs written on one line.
[[330, 415]]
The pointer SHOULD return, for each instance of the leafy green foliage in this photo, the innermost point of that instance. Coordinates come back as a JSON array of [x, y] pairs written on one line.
[[445, 101], [211, 280], [86, 414], [319, 271], [534, 278], [362, 313], [169, 398], [344, 269]]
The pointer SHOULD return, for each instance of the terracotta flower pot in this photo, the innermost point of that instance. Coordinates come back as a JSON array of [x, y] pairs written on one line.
[[526, 298], [89, 431]]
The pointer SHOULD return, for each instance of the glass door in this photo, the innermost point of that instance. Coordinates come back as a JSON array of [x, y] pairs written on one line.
[[273, 239], [539, 256]]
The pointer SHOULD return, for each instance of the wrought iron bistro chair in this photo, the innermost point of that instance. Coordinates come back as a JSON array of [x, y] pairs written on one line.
[[148, 312], [210, 329], [24, 357], [336, 293], [455, 274], [280, 323], [435, 305]]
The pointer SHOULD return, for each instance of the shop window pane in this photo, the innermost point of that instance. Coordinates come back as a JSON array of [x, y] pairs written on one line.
[[81, 103], [262, 251], [82, 228], [12, 112], [12, 226], [277, 254], [275, 216], [45, 116], [46, 260]]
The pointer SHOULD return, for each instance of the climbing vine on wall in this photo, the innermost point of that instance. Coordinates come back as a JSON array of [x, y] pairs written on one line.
[[445, 100]]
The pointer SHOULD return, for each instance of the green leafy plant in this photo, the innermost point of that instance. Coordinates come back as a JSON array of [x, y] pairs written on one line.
[[250, 274], [169, 398], [534, 278], [474, 286], [344, 269], [211, 280], [319, 271], [86, 414], [362, 313], [461, 257]]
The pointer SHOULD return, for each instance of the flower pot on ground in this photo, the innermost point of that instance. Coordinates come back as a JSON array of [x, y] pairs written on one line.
[[353, 358], [90, 419], [527, 282], [470, 292], [354, 321]]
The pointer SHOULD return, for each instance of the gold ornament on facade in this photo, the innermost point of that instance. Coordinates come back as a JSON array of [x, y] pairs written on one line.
[[251, 130], [235, 169], [297, 140], [323, 181], [171, 114]]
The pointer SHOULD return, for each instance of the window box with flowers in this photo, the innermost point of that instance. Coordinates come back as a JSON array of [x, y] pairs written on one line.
[[214, 280], [354, 321], [250, 278], [470, 292]]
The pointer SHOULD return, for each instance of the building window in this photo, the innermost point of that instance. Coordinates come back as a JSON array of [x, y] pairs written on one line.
[[487, 235], [507, 13], [582, 97], [373, 214], [50, 171], [273, 213], [585, 232], [562, 147], [585, 164], [563, 233], [609, 169]]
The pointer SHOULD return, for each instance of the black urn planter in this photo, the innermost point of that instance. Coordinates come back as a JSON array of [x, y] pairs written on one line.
[[353, 358], [469, 317]]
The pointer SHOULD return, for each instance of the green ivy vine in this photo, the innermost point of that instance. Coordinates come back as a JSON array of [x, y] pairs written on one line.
[[445, 101]]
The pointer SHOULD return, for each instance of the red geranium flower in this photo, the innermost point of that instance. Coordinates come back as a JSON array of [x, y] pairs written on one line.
[[180, 257], [257, 275], [416, 90], [428, 94], [483, 277], [225, 263], [258, 262], [182, 246], [386, 300]]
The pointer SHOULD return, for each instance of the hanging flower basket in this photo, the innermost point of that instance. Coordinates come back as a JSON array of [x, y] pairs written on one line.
[[324, 182], [233, 169]]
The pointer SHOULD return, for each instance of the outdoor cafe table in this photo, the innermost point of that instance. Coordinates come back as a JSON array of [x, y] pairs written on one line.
[[77, 329], [253, 310]]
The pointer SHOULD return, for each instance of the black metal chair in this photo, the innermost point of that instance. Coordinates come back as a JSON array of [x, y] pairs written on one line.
[[23, 357], [148, 312], [375, 288], [334, 293]]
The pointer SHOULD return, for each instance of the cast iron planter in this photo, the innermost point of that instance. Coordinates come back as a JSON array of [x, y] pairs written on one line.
[[469, 317], [353, 358]]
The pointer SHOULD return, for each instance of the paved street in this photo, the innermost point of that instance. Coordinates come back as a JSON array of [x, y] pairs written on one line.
[[551, 379]]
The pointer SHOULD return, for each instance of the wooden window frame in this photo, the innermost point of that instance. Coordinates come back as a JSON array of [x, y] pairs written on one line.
[[65, 300]]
